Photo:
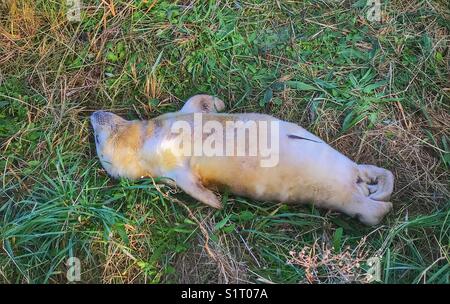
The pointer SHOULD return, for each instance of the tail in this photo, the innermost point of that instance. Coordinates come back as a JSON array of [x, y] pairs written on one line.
[[379, 181]]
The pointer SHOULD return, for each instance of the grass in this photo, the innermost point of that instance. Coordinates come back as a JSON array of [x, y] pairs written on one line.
[[378, 92]]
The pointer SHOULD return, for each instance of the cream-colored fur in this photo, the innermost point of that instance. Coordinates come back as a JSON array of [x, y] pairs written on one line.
[[309, 170]]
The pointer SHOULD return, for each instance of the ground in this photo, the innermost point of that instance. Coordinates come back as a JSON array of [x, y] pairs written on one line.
[[377, 91]]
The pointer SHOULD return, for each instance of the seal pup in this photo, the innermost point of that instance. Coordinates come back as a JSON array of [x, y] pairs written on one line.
[[307, 170]]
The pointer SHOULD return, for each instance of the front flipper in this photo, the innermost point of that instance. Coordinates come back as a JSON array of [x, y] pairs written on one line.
[[192, 186], [203, 104]]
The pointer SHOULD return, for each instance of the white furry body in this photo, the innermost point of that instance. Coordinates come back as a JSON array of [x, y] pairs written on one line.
[[309, 170]]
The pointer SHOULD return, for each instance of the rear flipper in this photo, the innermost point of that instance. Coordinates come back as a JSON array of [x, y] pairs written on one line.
[[379, 182], [367, 210]]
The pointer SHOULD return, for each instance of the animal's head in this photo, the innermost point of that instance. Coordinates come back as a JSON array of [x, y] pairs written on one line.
[[106, 125], [117, 141]]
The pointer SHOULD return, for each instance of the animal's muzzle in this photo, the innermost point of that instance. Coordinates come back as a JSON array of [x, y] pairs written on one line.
[[100, 118]]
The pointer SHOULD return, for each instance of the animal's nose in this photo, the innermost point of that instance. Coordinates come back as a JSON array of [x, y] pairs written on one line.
[[99, 118]]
